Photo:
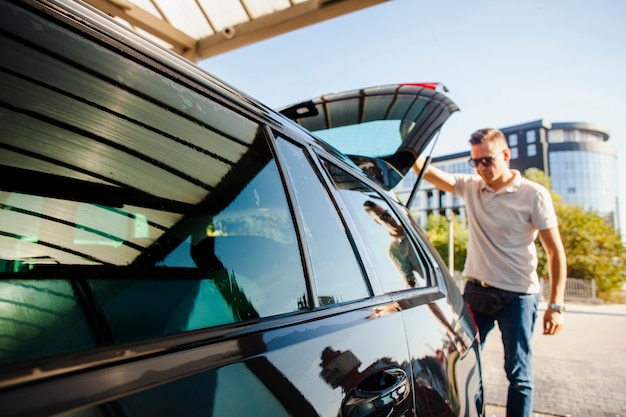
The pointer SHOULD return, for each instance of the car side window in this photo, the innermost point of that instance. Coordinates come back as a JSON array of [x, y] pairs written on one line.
[[249, 250], [234, 258], [178, 222], [337, 273], [396, 260]]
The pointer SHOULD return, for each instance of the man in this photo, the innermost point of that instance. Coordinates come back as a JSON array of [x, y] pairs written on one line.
[[505, 213]]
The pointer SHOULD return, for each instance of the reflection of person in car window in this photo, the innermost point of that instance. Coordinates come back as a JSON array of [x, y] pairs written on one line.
[[400, 250], [373, 170]]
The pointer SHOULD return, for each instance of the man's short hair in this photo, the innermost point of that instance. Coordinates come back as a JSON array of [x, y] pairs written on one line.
[[487, 135]]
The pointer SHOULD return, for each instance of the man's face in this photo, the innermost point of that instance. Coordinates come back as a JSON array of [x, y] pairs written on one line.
[[490, 159]]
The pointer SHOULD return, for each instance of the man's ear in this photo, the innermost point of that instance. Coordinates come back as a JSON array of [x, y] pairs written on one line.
[[507, 154]]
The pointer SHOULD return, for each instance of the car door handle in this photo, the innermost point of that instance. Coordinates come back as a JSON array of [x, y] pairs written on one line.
[[377, 395]]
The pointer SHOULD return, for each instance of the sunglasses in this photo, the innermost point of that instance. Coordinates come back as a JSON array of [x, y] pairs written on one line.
[[486, 161]]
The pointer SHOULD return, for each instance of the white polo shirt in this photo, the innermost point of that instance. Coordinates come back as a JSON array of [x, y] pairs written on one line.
[[503, 226]]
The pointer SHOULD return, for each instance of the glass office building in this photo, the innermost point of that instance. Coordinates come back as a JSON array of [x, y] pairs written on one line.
[[577, 157]]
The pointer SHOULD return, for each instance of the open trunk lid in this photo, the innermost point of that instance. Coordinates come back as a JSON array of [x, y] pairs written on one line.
[[383, 129]]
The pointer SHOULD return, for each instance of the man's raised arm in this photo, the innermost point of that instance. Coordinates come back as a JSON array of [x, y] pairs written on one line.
[[437, 177]]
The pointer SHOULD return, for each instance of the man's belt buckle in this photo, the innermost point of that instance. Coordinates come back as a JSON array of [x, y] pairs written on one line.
[[482, 283]]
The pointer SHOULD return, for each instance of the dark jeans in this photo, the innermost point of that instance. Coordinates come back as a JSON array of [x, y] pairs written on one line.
[[516, 322]]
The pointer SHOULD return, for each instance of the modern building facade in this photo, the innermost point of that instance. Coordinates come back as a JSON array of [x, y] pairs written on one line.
[[577, 157]]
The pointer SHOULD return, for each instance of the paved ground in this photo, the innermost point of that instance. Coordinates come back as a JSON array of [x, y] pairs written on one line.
[[581, 372]]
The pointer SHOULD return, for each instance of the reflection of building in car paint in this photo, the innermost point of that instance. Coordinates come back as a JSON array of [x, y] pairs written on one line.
[[339, 368]]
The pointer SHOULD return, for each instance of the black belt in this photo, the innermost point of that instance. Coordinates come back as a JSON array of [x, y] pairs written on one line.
[[477, 281]]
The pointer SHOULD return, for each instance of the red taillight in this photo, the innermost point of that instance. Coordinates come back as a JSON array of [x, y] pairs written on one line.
[[432, 85]]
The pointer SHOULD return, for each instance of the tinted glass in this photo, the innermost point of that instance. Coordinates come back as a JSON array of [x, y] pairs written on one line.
[[41, 318], [233, 262], [250, 248], [383, 121], [133, 203], [395, 258], [336, 272]]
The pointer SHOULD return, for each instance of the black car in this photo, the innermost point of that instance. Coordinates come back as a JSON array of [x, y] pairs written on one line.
[[171, 247]]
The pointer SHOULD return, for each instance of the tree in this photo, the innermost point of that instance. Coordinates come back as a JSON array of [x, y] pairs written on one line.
[[593, 247], [437, 230]]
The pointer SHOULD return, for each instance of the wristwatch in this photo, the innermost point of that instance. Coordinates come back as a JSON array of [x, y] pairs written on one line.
[[557, 307]]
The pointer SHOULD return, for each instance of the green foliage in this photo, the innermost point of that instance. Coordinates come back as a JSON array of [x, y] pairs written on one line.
[[538, 176], [593, 247], [437, 230]]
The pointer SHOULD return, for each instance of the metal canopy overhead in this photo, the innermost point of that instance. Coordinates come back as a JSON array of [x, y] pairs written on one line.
[[198, 29]]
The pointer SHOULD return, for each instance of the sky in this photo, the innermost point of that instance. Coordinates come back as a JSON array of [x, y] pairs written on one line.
[[505, 62]]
